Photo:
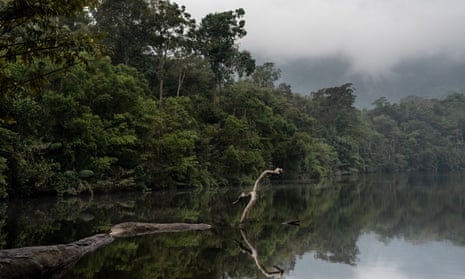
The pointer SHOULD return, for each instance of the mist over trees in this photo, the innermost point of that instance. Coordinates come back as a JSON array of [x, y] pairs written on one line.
[[430, 77], [112, 95]]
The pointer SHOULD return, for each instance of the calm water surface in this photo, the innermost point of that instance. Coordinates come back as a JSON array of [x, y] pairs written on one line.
[[371, 227]]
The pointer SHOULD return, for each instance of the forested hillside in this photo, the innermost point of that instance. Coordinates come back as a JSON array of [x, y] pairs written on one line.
[[137, 95]]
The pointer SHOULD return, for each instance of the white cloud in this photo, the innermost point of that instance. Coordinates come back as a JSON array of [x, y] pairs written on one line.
[[375, 35], [379, 271]]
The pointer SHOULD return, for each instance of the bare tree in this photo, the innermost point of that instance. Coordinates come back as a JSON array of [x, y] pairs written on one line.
[[253, 194]]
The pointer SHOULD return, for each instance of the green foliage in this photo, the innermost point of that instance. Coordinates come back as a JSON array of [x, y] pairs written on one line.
[[98, 127], [216, 41], [420, 134], [170, 33], [3, 178], [332, 217], [33, 30], [266, 75], [121, 22]]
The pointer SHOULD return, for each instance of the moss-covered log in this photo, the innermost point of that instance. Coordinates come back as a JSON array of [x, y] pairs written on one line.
[[53, 261], [135, 229]]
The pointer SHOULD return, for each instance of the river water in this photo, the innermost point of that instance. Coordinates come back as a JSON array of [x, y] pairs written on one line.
[[377, 226]]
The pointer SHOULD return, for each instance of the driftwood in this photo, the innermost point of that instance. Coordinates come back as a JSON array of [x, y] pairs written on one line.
[[253, 195], [55, 260], [136, 229], [47, 261], [249, 248]]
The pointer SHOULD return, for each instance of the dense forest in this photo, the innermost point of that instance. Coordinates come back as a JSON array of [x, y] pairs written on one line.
[[113, 94]]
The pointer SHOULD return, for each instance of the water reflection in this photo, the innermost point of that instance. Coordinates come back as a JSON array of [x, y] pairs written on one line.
[[356, 228], [250, 249], [397, 259]]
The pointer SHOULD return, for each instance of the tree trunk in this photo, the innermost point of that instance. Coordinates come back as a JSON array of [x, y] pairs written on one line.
[[161, 74], [161, 91], [135, 229], [55, 260], [181, 77], [48, 261]]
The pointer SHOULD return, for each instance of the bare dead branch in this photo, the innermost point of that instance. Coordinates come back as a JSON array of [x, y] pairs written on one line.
[[241, 196], [253, 194], [292, 223]]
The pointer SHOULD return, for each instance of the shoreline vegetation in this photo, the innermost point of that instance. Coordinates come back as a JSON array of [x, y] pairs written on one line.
[[94, 101]]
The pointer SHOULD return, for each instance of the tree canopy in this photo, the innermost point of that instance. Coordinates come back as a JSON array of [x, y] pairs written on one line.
[[82, 88]]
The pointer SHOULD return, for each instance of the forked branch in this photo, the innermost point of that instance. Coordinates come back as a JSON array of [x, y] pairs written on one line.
[[253, 194]]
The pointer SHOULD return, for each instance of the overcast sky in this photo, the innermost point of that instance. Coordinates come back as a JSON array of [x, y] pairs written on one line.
[[392, 259], [369, 39]]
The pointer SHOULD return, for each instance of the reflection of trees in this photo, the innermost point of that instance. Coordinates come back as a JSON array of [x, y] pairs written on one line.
[[415, 208], [180, 255], [54, 261], [420, 208], [250, 248], [49, 221], [331, 218]]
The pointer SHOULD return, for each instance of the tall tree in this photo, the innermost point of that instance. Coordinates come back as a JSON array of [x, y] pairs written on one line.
[[217, 37], [244, 64], [334, 108], [168, 28], [266, 75], [122, 24]]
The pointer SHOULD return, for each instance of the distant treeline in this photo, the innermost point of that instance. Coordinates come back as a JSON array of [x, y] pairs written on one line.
[[137, 95]]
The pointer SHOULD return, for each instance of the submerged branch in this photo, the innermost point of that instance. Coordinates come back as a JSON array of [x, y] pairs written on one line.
[[249, 248], [241, 196], [253, 194]]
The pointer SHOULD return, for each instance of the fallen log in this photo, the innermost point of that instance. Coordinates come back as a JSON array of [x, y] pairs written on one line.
[[48, 261], [55, 260], [135, 229]]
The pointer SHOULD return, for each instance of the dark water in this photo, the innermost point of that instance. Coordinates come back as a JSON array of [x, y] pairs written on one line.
[[371, 227]]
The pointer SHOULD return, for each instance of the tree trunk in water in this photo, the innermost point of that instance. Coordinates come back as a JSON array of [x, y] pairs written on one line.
[[253, 195], [250, 249], [48, 261], [135, 229], [55, 260]]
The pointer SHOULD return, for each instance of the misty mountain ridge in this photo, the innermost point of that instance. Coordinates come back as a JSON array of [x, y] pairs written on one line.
[[430, 77]]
